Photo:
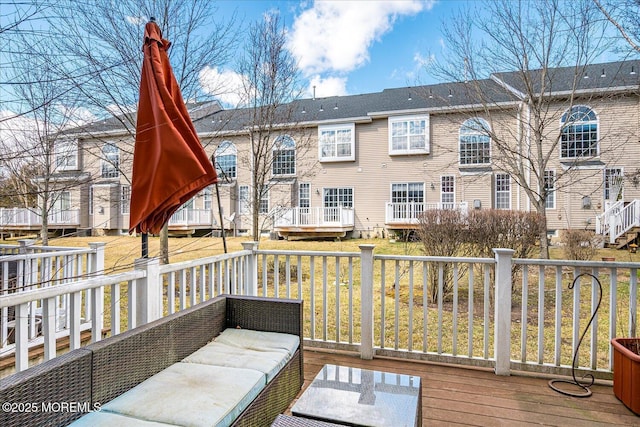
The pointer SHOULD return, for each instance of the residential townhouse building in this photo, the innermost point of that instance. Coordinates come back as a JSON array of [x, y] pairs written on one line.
[[367, 165]]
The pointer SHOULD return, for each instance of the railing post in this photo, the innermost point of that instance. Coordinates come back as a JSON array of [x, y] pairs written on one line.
[[96, 267], [251, 271], [366, 301], [21, 337], [148, 291], [25, 245], [502, 314]]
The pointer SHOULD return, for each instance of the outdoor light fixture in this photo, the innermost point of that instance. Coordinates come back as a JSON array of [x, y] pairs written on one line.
[[586, 202]]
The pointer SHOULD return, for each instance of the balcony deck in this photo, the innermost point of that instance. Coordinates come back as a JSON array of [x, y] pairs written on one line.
[[454, 395]]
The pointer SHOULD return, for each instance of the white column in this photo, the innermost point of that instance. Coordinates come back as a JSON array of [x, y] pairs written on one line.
[[502, 314], [366, 301], [251, 272], [148, 291]]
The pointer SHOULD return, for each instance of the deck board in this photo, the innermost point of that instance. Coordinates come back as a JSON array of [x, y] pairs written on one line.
[[460, 396]]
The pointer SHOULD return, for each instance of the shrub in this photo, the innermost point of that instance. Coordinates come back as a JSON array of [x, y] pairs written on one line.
[[515, 230], [580, 244], [442, 233]]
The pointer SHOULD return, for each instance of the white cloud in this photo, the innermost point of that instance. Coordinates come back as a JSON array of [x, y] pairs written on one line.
[[330, 86], [422, 61], [337, 35], [226, 86], [136, 20]]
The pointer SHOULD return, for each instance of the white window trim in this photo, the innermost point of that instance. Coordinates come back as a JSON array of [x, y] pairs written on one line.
[[125, 203], [244, 204], [278, 148], [442, 187], [460, 164], [563, 124], [552, 193], [108, 165], [65, 147], [353, 202], [264, 198], [427, 143], [496, 191], [347, 126]]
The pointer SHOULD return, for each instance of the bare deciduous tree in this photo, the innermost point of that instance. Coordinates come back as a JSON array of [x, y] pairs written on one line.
[[271, 82], [624, 15], [48, 105], [539, 49], [103, 41]]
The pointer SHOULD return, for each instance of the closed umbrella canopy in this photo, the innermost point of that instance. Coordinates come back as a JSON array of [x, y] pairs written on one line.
[[169, 164]]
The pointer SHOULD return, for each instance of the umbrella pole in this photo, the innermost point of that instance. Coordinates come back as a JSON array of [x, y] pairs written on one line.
[[224, 239], [145, 245]]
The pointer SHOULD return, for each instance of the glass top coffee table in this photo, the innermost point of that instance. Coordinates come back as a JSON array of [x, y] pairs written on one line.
[[361, 397]]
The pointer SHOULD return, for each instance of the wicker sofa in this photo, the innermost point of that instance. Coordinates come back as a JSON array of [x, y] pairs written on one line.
[[64, 389]]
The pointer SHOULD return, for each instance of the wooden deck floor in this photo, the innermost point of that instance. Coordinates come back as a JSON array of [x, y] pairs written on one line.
[[477, 397]]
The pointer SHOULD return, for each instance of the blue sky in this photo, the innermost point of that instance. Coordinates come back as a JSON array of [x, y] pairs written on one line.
[[353, 47]]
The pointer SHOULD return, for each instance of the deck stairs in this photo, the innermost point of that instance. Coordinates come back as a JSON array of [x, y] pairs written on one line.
[[620, 224]]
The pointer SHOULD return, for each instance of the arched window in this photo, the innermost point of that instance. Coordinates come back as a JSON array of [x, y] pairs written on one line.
[[284, 156], [579, 134], [110, 161], [475, 144], [226, 156]]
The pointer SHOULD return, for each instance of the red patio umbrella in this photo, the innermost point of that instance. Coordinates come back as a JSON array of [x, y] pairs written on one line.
[[169, 164]]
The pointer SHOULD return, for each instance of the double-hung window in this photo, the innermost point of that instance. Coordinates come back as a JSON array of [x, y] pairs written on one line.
[[447, 191], [110, 161], [125, 199], [550, 189], [243, 199], [503, 191], [579, 133], [226, 160], [263, 207], [475, 143], [66, 155], [304, 195], [409, 135], [336, 143], [284, 156]]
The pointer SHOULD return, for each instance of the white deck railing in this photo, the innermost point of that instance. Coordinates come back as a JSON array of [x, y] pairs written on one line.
[[192, 218], [28, 268], [509, 314], [30, 217], [619, 218], [409, 212], [313, 217]]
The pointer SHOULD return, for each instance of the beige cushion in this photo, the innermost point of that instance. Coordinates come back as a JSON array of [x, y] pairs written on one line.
[[191, 394], [260, 341], [108, 419], [220, 354]]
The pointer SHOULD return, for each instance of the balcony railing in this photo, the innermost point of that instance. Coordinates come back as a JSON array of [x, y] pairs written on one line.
[[618, 219], [30, 217], [313, 217], [409, 212], [192, 218], [28, 268], [504, 313]]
